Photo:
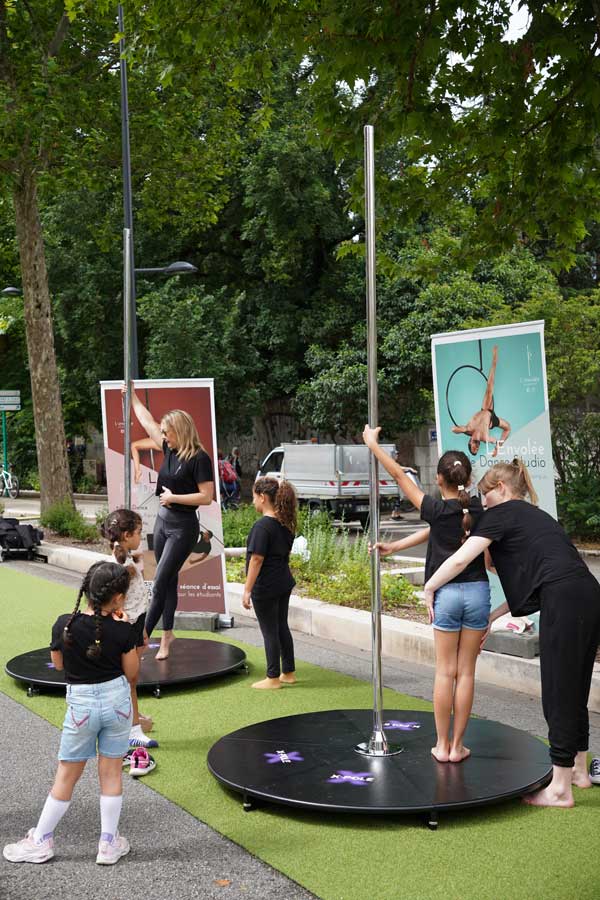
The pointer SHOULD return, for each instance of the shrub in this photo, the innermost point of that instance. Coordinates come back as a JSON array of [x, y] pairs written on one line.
[[32, 480], [577, 450], [2, 507], [64, 519], [237, 524]]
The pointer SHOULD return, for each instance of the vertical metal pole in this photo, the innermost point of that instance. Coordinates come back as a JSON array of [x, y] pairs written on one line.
[[377, 744], [4, 441], [127, 192], [127, 329]]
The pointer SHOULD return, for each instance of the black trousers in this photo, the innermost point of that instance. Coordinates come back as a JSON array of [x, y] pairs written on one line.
[[569, 638], [272, 615], [175, 535]]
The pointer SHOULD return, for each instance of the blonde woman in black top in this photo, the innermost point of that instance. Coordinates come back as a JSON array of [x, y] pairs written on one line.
[[540, 569]]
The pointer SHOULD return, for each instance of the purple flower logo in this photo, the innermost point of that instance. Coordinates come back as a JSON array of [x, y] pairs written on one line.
[[282, 756], [345, 776], [401, 726]]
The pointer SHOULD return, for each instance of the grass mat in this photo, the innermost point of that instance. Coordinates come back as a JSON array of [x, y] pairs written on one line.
[[501, 852]]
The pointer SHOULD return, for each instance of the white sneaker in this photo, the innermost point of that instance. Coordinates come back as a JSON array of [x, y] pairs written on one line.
[[28, 851], [110, 852], [595, 770]]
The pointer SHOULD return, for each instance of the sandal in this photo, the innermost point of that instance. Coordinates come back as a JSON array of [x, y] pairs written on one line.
[[141, 762]]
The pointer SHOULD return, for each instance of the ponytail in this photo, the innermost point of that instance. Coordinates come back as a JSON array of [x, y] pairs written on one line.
[[116, 526], [515, 476], [455, 468], [283, 500]]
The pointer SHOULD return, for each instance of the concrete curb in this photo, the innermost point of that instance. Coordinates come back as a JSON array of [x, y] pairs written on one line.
[[401, 639]]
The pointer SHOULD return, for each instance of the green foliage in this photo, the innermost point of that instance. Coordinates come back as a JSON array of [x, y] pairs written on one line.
[[577, 443], [64, 519], [237, 524], [32, 480]]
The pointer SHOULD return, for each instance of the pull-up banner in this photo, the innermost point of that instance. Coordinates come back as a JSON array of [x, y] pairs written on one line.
[[202, 576], [491, 400]]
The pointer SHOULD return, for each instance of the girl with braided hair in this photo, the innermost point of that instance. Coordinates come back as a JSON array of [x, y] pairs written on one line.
[[269, 581], [97, 653], [460, 611], [123, 531]]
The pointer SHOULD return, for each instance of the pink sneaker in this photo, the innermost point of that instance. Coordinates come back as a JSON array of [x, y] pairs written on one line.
[[110, 852], [28, 851]]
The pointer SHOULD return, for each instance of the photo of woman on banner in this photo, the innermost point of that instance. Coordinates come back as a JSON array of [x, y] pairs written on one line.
[[480, 424], [185, 483]]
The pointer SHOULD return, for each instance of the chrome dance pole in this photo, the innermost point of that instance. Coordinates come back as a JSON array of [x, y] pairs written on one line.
[[378, 744], [127, 329]]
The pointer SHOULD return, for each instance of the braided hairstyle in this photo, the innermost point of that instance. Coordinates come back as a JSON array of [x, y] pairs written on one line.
[[100, 584], [283, 498], [455, 469], [116, 526]]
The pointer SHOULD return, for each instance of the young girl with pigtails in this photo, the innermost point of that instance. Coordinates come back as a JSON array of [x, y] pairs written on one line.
[[97, 653], [460, 611], [269, 581], [123, 530]]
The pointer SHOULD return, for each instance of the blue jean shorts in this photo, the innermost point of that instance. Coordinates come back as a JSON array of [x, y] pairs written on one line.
[[464, 604], [98, 720]]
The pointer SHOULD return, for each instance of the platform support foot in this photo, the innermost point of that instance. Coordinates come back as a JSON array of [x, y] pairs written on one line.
[[32, 691], [432, 820], [247, 803], [156, 692]]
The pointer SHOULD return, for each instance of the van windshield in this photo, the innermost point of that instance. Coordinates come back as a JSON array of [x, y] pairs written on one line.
[[272, 463]]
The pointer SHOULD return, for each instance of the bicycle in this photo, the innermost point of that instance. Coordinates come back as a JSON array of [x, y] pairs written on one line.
[[9, 484]]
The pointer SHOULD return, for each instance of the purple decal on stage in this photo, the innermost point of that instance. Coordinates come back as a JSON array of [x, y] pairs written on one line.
[[401, 726], [153, 646], [347, 777], [283, 756], [50, 666]]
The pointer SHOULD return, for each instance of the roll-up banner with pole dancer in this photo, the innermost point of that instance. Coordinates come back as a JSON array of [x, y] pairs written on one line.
[[491, 402], [202, 577], [378, 744]]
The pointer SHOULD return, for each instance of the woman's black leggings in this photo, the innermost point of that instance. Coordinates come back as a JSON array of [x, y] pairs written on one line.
[[272, 615], [175, 535], [569, 638]]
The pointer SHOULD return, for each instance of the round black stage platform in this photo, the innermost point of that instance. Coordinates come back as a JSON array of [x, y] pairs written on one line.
[[189, 661], [309, 761]]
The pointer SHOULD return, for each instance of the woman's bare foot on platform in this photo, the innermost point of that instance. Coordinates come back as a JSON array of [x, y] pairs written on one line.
[[550, 797], [290, 678], [267, 684], [441, 752], [458, 754], [165, 645]]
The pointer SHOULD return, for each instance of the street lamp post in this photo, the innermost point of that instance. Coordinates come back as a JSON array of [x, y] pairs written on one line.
[[7, 292]]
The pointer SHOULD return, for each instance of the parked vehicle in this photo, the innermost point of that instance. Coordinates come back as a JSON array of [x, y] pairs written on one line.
[[331, 477]]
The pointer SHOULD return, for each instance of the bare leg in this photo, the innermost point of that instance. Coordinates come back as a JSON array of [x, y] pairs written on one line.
[[165, 644], [468, 651], [558, 792], [67, 776], [579, 773], [488, 397], [446, 661], [110, 775]]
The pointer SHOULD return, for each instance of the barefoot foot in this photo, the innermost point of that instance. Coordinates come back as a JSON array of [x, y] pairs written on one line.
[[548, 797], [267, 684], [441, 753], [147, 723], [288, 678], [457, 754], [581, 779], [165, 646]]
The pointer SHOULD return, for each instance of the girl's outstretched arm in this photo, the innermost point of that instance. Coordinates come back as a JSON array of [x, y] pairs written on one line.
[[413, 540], [407, 485]]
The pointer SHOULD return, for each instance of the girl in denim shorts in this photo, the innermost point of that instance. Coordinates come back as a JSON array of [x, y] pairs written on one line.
[[460, 611], [97, 653]]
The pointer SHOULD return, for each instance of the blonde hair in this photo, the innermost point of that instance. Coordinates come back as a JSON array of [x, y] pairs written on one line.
[[188, 442], [514, 475]]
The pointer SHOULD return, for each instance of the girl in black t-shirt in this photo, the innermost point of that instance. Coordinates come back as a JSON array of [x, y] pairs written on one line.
[[185, 482], [459, 613], [539, 568], [269, 581], [98, 656]]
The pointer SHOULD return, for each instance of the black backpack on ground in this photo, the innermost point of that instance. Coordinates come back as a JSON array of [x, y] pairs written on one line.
[[17, 539]]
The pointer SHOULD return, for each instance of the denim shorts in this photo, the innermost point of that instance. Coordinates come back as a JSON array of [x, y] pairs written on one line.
[[98, 720], [464, 604]]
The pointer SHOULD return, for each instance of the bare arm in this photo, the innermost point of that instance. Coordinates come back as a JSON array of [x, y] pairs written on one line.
[[57, 659], [413, 540], [131, 664], [460, 429], [145, 419], [203, 497], [404, 482], [142, 444], [489, 562], [457, 563], [254, 568]]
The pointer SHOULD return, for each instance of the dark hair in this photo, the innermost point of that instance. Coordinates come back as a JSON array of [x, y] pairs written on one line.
[[283, 497], [455, 468], [102, 581], [116, 526]]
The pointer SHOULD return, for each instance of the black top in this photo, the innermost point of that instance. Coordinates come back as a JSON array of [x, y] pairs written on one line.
[[116, 638], [445, 518], [529, 549], [182, 476], [271, 539]]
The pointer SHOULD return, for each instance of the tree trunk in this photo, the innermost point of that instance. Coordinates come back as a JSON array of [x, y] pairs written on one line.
[[53, 464]]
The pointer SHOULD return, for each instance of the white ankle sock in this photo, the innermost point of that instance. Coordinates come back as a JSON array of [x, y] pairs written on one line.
[[110, 811], [52, 813], [136, 732]]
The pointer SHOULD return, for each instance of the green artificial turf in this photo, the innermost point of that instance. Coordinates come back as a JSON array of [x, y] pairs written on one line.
[[505, 852]]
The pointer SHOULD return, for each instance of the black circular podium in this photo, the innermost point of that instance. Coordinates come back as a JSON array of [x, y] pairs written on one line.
[[310, 762], [189, 661]]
